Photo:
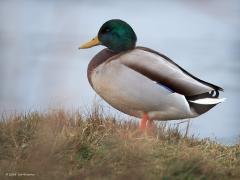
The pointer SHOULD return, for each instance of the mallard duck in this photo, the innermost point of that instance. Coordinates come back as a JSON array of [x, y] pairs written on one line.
[[144, 83]]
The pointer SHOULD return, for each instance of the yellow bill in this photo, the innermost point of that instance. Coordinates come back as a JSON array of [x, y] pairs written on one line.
[[94, 42]]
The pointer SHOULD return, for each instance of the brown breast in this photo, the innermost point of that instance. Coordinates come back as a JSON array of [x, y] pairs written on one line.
[[98, 59]]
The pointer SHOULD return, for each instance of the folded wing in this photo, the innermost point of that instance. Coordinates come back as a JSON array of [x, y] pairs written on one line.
[[163, 70]]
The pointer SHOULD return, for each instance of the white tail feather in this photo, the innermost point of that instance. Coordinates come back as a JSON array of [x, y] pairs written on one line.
[[208, 101]]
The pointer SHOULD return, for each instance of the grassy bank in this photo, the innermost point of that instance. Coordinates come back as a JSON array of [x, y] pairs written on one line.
[[60, 145]]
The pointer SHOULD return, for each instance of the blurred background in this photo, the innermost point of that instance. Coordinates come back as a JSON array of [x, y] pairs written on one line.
[[41, 67]]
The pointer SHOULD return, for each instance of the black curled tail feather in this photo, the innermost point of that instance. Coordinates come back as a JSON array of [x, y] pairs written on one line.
[[211, 94]]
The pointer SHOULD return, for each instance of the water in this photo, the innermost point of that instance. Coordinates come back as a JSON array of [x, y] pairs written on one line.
[[41, 67]]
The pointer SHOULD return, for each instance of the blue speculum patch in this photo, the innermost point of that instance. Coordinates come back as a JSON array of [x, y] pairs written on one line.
[[166, 87]]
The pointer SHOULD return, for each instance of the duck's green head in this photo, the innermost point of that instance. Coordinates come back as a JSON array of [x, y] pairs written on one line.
[[115, 34]]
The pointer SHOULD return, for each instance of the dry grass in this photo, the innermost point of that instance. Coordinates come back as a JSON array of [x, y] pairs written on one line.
[[61, 145]]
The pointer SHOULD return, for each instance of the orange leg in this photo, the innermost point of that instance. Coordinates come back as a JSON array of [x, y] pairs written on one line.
[[143, 123]]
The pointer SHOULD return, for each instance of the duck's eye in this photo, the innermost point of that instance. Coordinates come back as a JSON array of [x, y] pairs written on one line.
[[106, 30]]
